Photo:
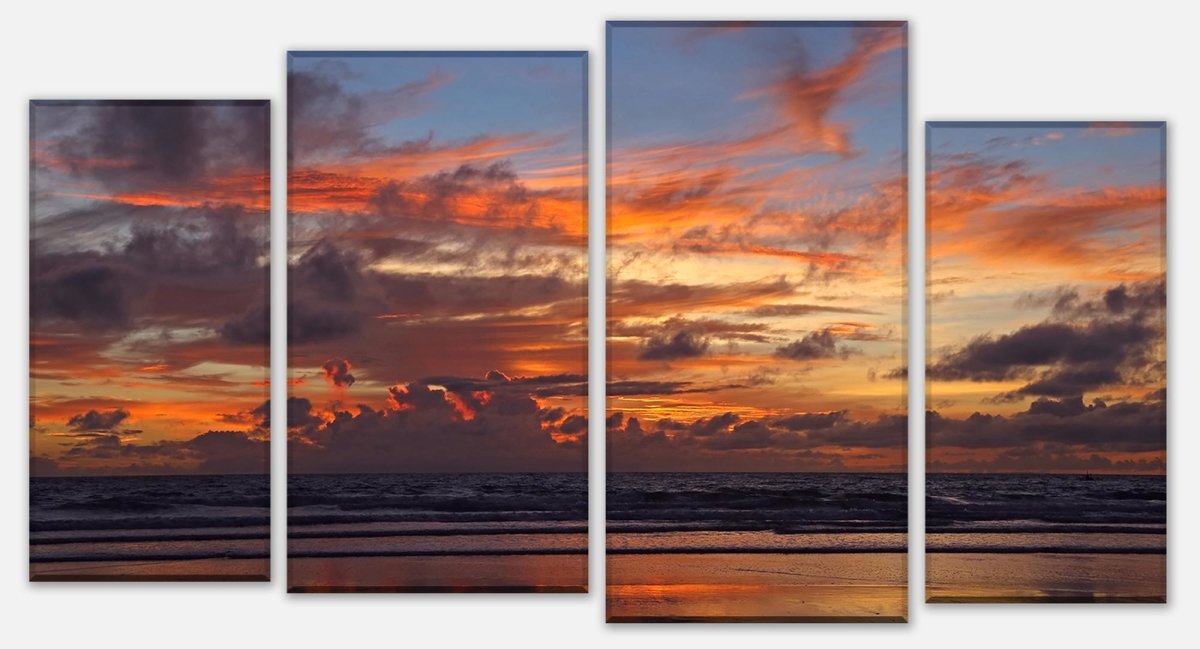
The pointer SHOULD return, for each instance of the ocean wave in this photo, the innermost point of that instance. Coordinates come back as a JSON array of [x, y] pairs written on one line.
[[441, 503], [1046, 529], [149, 538], [332, 518], [163, 556], [718, 549], [433, 531], [650, 527], [482, 552], [1046, 499], [146, 523]]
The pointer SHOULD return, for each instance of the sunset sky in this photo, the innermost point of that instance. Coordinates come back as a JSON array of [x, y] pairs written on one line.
[[1047, 297], [757, 203], [149, 328], [437, 212]]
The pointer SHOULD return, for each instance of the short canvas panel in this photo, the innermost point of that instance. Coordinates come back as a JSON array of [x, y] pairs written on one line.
[[757, 403], [437, 321], [149, 340], [1046, 369]]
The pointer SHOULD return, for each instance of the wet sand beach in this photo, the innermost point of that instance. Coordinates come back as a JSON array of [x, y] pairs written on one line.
[[728, 587], [1045, 577], [415, 574], [138, 570]]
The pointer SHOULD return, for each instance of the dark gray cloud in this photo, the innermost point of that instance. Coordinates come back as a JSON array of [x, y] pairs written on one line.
[[80, 289], [634, 388], [300, 414], [1133, 426], [138, 145], [811, 420], [574, 425], [212, 452], [94, 420], [997, 358], [729, 442], [681, 344], [329, 272], [210, 242], [309, 323], [680, 337], [333, 294], [251, 328], [1068, 407], [228, 451], [793, 310], [326, 119], [337, 372], [633, 298], [814, 345], [187, 266], [492, 425], [439, 192], [1082, 346], [706, 427], [546, 385], [1045, 458], [329, 295]]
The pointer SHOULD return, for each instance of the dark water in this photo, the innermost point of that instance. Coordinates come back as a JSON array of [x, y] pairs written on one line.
[[436, 514], [1029, 512], [144, 517], [756, 512]]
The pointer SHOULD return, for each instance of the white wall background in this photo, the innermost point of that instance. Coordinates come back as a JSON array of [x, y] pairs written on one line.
[[1029, 59]]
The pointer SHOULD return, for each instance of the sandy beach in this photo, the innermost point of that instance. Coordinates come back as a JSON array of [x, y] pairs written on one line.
[[521, 573], [185, 570], [1037, 577], [757, 588]]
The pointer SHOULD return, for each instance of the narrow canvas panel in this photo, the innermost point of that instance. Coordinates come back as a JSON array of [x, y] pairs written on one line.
[[149, 340], [1046, 373], [757, 415], [437, 307]]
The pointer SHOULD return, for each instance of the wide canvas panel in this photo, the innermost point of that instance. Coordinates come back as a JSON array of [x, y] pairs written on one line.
[[1046, 369], [149, 340], [757, 403], [437, 307]]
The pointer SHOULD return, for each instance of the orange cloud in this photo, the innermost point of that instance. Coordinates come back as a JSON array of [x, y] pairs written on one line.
[[1117, 226], [248, 190], [806, 98]]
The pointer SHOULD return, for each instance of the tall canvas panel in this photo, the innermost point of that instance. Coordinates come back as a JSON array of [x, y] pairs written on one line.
[[757, 403], [437, 334], [149, 340], [1046, 369]]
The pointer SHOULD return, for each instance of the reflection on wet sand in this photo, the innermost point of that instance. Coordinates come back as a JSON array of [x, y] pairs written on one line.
[[757, 588], [185, 570], [531, 573], [1037, 577]]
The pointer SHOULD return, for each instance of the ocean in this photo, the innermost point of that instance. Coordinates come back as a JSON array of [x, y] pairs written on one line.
[[702, 513], [148, 518], [436, 514], [1022, 513]]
